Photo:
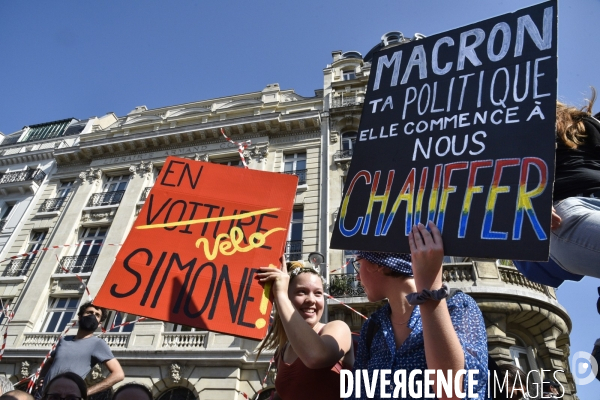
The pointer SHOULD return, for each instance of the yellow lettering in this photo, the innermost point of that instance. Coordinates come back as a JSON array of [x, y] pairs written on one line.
[[235, 236]]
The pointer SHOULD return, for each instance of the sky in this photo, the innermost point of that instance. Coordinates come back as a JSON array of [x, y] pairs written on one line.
[[81, 59]]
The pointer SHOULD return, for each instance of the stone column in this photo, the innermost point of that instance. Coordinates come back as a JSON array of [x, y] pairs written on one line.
[[141, 177]]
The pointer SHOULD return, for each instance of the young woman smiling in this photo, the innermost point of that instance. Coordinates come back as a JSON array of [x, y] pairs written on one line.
[[309, 354]]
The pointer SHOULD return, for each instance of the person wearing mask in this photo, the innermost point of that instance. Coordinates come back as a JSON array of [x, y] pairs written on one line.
[[80, 353]]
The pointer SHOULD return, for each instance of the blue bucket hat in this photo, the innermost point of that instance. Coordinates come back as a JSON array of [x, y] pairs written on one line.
[[397, 262]]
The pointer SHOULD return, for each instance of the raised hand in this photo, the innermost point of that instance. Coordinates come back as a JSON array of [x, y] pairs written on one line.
[[427, 252]]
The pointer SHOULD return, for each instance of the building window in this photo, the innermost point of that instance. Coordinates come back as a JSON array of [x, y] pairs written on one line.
[[348, 259], [6, 210], [5, 302], [295, 164], [115, 183], [116, 318], [348, 75], [112, 191], [61, 194], [348, 141], [60, 312], [232, 163], [64, 189], [21, 266], [89, 247], [524, 358], [293, 248]]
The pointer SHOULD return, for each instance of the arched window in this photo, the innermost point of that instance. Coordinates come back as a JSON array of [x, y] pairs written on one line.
[[179, 393], [348, 141]]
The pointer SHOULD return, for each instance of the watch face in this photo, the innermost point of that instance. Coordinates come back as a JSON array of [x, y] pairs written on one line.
[[316, 258]]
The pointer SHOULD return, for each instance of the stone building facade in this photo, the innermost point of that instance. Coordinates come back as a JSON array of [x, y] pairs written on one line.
[[97, 180]]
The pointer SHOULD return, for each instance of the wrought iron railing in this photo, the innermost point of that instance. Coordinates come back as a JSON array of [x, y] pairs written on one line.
[[342, 154], [300, 173], [345, 285], [36, 175], [144, 195], [293, 250], [346, 102], [3, 222], [76, 264], [106, 198], [19, 267], [52, 204]]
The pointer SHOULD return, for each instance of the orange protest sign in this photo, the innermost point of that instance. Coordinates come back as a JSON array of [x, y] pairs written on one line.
[[192, 254]]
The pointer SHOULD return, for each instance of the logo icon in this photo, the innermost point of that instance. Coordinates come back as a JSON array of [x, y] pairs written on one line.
[[584, 367]]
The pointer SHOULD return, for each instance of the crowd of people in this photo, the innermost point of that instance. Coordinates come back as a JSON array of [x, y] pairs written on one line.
[[423, 326]]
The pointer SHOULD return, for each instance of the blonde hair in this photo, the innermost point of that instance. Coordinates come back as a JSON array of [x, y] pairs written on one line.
[[569, 122], [276, 337]]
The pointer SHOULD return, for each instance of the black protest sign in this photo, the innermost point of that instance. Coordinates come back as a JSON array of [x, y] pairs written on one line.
[[458, 128]]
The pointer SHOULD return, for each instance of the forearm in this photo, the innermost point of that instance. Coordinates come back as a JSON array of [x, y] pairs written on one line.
[[307, 343], [106, 383], [443, 350]]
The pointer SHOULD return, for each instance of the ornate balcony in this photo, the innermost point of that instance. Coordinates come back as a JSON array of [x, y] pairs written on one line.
[[293, 250], [512, 276], [345, 285], [50, 205], [77, 264], [35, 175], [145, 193], [45, 340], [106, 198], [300, 173], [184, 340], [18, 267], [346, 102], [342, 155]]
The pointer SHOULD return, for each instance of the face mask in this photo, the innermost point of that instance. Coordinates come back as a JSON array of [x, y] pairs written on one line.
[[88, 323]]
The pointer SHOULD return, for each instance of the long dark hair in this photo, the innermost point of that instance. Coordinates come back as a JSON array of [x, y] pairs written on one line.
[[71, 376]]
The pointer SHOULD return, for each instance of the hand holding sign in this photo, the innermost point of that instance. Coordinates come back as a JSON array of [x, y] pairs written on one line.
[[427, 254], [458, 128]]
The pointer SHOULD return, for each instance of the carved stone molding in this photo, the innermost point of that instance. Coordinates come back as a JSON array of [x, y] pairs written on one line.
[[200, 157], [344, 165], [175, 372], [24, 369], [142, 168], [91, 175], [259, 153], [333, 137], [100, 217]]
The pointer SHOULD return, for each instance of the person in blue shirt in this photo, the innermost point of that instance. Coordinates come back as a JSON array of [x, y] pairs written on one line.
[[418, 328]]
